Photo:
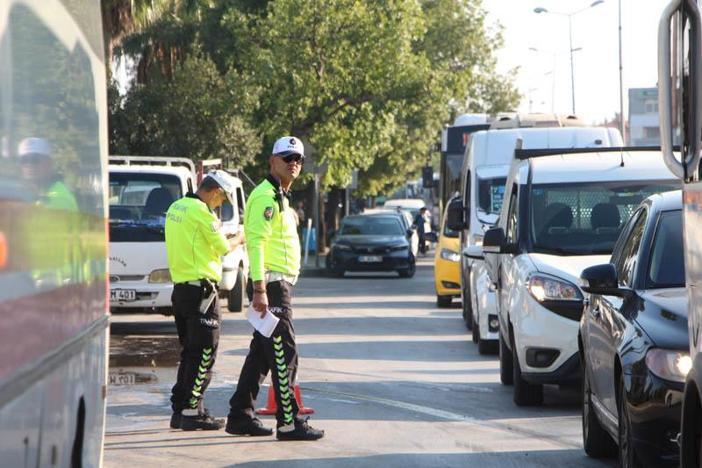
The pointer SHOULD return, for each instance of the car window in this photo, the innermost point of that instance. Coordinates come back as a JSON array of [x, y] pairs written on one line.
[[626, 263], [371, 226], [667, 267], [512, 217], [491, 190], [584, 218]]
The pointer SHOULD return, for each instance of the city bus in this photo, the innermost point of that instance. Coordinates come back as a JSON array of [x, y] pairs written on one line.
[[53, 238]]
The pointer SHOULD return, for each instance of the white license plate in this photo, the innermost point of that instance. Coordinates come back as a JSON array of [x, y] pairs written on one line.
[[122, 378], [123, 295], [370, 258]]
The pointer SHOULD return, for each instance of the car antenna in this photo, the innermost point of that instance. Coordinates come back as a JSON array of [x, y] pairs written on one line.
[[621, 155]]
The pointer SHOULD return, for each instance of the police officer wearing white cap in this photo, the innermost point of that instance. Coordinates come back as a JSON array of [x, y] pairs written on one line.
[[39, 170], [274, 257], [195, 245]]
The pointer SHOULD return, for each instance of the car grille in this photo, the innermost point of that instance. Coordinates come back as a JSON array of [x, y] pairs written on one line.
[[371, 250]]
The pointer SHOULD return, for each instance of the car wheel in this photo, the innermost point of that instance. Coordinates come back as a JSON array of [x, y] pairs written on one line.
[[691, 447], [475, 330], [443, 301], [409, 271], [596, 441], [235, 301], [627, 455], [506, 363], [467, 308], [525, 393]]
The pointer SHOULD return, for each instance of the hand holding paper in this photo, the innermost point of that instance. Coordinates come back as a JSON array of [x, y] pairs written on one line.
[[264, 325]]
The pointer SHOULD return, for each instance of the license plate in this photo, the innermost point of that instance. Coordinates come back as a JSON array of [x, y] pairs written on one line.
[[370, 258], [123, 295], [122, 378]]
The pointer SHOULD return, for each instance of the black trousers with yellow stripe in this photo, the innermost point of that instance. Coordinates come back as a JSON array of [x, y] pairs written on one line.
[[198, 334], [277, 354]]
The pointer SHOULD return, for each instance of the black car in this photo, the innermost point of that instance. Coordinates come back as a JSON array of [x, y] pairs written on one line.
[[633, 340], [372, 242]]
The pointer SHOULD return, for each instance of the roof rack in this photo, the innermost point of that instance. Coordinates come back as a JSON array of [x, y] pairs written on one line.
[[152, 161], [522, 154]]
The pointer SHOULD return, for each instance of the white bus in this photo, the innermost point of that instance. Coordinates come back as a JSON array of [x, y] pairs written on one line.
[[53, 249]]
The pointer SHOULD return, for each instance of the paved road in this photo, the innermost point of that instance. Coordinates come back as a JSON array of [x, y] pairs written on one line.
[[394, 381]]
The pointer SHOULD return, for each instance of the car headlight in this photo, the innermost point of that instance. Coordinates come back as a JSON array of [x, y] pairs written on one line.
[[547, 288], [160, 276], [341, 247], [450, 255], [669, 364]]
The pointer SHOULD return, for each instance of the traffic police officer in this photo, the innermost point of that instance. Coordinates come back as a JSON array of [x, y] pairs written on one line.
[[195, 244], [274, 259]]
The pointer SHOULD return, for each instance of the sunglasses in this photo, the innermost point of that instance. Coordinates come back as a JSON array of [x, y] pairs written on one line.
[[293, 157]]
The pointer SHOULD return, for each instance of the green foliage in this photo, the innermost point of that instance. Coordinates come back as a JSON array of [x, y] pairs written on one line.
[[368, 84], [198, 114]]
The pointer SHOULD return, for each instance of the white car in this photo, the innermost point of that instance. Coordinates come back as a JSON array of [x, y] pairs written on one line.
[[141, 190], [563, 211]]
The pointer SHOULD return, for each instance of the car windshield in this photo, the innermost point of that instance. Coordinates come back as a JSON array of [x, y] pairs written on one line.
[[138, 203], [667, 268], [371, 225], [490, 193], [584, 218]]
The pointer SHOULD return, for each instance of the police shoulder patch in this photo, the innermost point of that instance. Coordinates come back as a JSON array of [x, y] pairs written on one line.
[[268, 213]]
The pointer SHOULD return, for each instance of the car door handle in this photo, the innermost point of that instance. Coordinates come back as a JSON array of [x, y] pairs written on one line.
[[595, 312]]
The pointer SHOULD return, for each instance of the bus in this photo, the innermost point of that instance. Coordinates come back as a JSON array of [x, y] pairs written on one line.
[[53, 238]]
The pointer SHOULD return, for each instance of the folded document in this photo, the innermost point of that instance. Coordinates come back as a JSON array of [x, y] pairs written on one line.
[[265, 325]]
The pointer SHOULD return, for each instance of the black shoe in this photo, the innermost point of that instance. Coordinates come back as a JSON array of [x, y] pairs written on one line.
[[175, 421], [251, 427], [302, 431], [202, 421]]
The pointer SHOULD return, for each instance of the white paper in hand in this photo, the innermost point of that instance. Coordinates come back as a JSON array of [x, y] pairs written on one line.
[[265, 325]]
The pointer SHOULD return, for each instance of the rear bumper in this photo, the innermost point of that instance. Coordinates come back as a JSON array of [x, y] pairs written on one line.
[[148, 295]]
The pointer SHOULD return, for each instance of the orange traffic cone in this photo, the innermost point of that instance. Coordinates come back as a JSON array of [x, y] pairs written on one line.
[[271, 406]]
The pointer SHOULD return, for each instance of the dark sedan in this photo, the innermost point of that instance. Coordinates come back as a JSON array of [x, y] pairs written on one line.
[[633, 340], [373, 242]]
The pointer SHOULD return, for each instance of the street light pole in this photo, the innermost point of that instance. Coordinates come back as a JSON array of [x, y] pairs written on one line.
[[572, 72], [570, 36], [622, 127]]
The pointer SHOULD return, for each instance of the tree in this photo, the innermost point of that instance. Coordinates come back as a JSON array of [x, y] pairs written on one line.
[[198, 113]]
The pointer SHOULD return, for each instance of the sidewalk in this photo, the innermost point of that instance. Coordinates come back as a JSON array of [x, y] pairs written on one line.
[[310, 270]]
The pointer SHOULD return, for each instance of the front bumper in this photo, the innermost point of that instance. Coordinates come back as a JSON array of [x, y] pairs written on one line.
[[447, 277], [487, 312], [655, 407], [538, 328], [350, 261], [149, 296]]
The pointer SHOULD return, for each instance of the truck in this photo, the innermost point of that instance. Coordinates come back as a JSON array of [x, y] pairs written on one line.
[[141, 188]]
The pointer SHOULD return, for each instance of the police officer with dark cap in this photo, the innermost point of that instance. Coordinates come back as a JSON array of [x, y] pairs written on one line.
[[274, 257], [195, 244]]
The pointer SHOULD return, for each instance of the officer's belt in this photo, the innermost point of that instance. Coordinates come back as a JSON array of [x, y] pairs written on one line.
[[199, 283], [272, 276]]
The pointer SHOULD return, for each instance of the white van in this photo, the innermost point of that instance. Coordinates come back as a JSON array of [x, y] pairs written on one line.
[[141, 190], [563, 212], [485, 168]]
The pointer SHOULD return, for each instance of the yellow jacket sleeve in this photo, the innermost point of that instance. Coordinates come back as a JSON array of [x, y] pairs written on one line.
[[209, 226], [258, 229]]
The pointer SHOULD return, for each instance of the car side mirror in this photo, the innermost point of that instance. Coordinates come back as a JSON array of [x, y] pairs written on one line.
[[431, 237], [494, 241], [454, 215], [409, 233], [474, 252], [602, 280]]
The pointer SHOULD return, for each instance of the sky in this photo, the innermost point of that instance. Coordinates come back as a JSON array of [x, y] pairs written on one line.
[[596, 65]]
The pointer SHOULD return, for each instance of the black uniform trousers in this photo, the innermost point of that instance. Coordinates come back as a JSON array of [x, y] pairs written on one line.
[[277, 354], [198, 334]]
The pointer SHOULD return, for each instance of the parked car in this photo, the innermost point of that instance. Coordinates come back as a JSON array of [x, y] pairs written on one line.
[[373, 242], [447, 269], [563, 212], [633, 340]]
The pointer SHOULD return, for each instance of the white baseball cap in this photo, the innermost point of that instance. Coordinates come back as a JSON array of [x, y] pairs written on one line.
[[33, 145], [225, 181], [288, 145]]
